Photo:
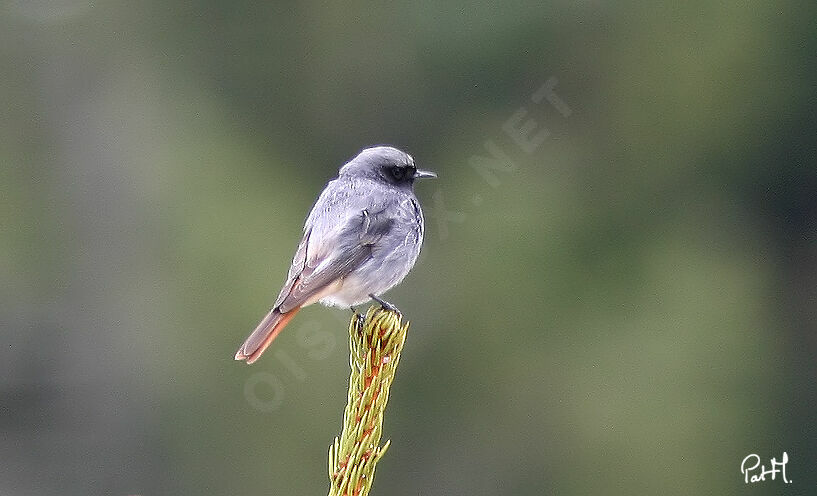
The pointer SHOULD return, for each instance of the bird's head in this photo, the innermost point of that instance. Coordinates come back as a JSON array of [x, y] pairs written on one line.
[[385, 164]]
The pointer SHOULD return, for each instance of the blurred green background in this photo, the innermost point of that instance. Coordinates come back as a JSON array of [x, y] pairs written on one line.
[[628, 310]]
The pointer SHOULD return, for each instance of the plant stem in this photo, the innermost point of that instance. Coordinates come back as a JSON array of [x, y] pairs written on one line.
[[375, 344]]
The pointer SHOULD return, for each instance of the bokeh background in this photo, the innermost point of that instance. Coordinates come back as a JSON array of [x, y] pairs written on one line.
[[629, 309]]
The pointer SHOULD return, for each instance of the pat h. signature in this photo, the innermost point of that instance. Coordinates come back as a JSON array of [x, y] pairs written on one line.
[[753, 471]]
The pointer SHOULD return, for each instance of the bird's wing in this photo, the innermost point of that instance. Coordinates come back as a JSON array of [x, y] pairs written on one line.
[[297, 267], [326, 255]]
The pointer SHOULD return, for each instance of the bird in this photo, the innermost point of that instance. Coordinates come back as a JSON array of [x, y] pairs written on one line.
[[361, 238]]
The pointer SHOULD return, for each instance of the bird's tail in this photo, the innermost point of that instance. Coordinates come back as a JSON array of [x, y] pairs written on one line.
[[263, 335]]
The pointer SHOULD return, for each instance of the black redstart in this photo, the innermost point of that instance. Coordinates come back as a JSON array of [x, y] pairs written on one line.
[[361, 238]]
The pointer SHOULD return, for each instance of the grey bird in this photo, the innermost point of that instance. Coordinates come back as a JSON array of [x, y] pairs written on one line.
[[361, 238]]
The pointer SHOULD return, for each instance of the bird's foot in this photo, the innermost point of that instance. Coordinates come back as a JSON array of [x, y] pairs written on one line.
[[385, 304], [359, 316]]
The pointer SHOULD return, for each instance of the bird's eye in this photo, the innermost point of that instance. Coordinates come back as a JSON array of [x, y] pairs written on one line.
[[398, 173]]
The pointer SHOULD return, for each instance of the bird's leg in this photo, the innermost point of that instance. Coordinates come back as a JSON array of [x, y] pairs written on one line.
[[385, 304], [360, 317]]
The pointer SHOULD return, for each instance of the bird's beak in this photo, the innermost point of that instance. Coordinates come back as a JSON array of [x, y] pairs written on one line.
[[419, 174]]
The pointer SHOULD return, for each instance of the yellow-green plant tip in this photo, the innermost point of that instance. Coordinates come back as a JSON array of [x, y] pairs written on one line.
[[354, 454]]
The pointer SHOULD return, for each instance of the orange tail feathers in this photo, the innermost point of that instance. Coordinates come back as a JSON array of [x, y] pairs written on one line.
[[263, 335]]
